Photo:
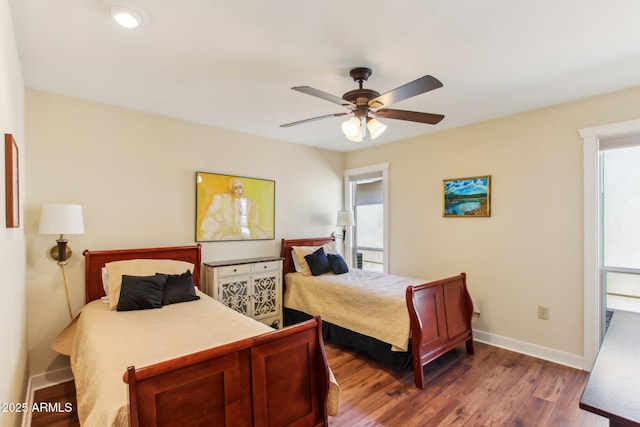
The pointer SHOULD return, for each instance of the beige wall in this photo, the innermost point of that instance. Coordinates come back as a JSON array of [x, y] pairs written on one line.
[[134, 175], [530, 251], [13, 326]]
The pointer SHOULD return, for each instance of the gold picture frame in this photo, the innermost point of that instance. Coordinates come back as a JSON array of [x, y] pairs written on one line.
[[12, 181], [467, 197], [231, 207]]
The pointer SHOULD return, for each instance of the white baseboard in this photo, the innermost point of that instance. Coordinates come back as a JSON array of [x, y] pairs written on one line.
[[39, 381], [551, 355]]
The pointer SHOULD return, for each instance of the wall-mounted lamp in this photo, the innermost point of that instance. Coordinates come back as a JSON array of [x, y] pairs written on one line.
[[345, 219], [61, 219]]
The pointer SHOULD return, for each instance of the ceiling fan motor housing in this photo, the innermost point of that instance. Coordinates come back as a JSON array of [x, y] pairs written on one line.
[[361, 98]]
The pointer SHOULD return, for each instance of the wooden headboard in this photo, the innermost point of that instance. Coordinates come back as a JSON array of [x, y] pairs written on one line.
[[95, 260], [287, 245]]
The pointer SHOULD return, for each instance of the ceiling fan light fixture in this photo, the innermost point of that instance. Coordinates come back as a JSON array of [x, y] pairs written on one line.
[[363, 126], [376, 128], [126, 17], [357, 138], [351, 128]]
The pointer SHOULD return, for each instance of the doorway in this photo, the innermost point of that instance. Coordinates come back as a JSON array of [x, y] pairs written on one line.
[[366, 194], [594, 285]]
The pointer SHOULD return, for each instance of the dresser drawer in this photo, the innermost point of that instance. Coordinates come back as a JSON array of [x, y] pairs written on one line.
[[234, 270], [259, 267]]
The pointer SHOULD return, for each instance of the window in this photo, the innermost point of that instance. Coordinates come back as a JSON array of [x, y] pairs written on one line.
[[368, 242], [620, 272]]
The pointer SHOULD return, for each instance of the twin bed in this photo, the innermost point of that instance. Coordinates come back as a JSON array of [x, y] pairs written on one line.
[[398, 320], [196, 362]]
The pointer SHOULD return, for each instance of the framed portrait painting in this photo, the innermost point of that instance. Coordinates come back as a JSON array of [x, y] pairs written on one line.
[[467, 197], [230, 207], [12, 184]]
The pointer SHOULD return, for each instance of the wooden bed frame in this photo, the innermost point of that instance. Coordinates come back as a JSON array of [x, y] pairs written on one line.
[[440, 312], [277, 378], [95, 260]]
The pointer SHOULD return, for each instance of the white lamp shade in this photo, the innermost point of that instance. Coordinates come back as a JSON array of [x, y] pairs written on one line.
[[61, 219], [375, 128], [351, 128], [345, 219], [357, 138]]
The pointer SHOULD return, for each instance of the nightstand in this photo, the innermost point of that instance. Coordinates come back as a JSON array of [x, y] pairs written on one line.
[[251, 286]]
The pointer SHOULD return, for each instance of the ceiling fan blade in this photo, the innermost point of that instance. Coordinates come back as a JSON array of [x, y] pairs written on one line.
[[412, 116], [313, 119], [416, 87], [323, 95]]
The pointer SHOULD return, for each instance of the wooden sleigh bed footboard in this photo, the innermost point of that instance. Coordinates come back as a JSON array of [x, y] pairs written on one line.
[[440, 315], [275, 379]]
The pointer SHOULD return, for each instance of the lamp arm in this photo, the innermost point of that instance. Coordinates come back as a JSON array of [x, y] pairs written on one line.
[[62, 250]]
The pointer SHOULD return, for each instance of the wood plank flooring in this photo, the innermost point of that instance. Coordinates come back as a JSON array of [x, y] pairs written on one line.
[[495, 387], [61, 394]]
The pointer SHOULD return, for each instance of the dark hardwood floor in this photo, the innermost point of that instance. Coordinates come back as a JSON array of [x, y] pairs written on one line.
[[64, 395], [495, 387]]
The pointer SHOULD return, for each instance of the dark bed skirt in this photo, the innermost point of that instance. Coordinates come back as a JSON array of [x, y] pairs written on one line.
[[373, 348]]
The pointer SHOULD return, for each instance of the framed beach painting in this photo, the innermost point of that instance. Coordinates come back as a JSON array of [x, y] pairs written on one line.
[[232, 207], [467, 197]]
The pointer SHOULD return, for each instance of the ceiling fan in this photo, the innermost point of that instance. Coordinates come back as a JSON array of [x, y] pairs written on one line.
[[367, 104]]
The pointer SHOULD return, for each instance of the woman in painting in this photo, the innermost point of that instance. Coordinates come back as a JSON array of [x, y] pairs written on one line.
[[231, 216]]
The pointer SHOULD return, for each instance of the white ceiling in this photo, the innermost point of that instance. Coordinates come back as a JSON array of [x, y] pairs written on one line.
[[231, 63]]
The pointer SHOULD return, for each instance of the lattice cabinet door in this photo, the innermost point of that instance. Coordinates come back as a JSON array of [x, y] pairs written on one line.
[[265, 295], [267, 292], [235, 294]]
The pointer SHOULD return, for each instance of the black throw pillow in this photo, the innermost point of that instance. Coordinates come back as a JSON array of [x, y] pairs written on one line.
[[179, 288], [141, 292], [318, 262], [338, 264]]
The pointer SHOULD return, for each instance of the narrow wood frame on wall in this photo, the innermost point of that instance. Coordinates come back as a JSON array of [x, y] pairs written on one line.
[[12, 182], [467, 197], [232, 207]]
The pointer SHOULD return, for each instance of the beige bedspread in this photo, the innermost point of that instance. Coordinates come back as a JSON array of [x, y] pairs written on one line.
[[103, 343], [370, 303]]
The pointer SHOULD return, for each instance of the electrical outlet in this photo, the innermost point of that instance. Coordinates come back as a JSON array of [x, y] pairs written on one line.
[[543, 312]]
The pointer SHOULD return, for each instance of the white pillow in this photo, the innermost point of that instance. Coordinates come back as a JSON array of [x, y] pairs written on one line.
[[105, 280], [105, 285], [299, 252], [140, 267]]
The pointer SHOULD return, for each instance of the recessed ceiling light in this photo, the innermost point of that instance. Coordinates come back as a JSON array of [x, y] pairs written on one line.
[[126, 17]]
